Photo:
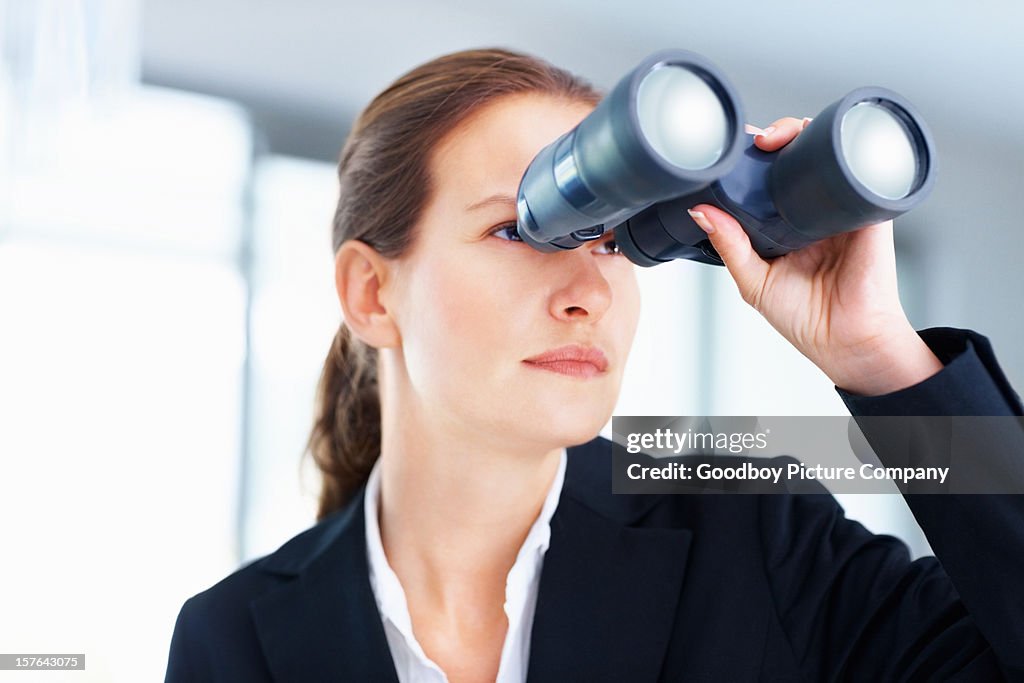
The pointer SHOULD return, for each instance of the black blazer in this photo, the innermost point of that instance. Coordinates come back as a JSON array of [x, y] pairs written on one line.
[[679, 587]]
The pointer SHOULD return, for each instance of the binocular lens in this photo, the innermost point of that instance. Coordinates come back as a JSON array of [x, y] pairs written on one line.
[[682, 117], [879, 150]]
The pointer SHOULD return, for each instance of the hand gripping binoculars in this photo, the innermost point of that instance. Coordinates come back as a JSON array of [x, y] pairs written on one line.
[[670, 135]]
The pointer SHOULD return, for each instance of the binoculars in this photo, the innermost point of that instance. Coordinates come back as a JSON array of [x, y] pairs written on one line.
[[670, 135]]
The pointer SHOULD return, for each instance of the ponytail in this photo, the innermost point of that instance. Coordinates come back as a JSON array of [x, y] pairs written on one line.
[[345, 440]]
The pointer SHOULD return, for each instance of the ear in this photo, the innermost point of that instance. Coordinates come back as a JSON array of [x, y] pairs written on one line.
[[360, 274]]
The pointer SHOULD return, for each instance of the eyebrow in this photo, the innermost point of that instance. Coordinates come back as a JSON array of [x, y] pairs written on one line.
[[493, 199]]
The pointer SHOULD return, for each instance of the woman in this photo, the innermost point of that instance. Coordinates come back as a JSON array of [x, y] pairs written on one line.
[[468, 531]]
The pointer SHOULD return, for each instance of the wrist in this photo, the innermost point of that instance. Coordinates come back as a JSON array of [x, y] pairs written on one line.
[[889, 365]]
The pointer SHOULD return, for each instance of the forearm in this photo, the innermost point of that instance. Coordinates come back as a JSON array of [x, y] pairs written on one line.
[[979, 539]]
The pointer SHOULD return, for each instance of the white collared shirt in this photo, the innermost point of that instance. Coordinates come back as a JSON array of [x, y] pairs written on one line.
[[411, 662]]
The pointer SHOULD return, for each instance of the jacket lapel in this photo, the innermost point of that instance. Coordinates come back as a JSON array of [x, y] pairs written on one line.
[[608, 593], [323, 625], [607, 599]]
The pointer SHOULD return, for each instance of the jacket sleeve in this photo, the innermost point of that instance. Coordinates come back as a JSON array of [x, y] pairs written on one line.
[[970, 383], [853, 604]]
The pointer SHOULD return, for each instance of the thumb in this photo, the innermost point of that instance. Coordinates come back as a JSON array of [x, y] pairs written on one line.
[[747, 268]]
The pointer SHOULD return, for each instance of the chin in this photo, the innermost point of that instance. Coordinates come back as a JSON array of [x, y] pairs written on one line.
[[564, 428], [559, 414]]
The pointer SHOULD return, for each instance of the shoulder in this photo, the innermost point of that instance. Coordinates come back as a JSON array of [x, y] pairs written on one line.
[[265, 573], [224, 608], [781, 533], [589, 475]]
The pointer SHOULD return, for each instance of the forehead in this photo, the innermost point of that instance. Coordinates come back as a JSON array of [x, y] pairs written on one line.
[[488, 152]]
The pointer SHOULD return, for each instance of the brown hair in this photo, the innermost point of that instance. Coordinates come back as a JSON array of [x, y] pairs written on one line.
[[383, 173]]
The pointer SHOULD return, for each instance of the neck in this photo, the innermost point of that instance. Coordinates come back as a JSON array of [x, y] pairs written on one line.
[[455, 507]]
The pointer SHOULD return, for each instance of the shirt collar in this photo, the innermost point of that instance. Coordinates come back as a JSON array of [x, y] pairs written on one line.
[[388, 590]]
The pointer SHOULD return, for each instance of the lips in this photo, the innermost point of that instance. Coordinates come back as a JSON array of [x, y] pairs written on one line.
[[574, 360]]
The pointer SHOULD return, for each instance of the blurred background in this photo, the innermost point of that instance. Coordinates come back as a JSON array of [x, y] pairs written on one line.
[[166, 291]]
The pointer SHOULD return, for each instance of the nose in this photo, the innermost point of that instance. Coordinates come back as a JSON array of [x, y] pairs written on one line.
[[583, 293]]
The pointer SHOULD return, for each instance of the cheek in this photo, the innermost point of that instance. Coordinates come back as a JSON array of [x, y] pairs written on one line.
[[626, 306], [462, 321], [634, 306]]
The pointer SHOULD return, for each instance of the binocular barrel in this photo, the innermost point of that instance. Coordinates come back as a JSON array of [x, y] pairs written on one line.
[[671, 126], [669, 136]]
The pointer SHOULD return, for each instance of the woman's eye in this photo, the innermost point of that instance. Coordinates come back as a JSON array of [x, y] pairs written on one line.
[[507, 232], [609, 246]]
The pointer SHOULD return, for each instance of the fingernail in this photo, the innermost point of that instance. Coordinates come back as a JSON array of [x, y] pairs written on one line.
[[701, 220], [805, 122], [767, 132]]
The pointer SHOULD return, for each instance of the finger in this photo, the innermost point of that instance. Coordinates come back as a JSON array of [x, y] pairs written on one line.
[[747, 268], [779, 133]]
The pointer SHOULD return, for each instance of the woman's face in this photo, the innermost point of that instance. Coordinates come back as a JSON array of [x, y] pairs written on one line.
[[474, 304]]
